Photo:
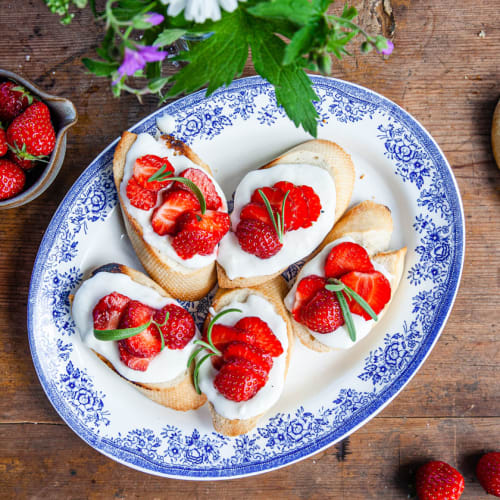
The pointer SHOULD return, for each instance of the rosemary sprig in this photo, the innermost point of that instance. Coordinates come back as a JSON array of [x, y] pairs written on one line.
[[125, 333], [160, 175], [208, 346], [337, 286], [279, 220]]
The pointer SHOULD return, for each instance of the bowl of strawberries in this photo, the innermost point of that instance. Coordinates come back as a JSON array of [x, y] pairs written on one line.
[[33, 127]]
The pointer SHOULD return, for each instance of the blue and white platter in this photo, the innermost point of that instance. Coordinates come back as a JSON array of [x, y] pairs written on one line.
[[326, 396]]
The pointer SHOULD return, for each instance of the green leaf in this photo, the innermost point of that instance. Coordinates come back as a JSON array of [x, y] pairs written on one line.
[[120, 333], [321, 5], [100, 68], [349, 12], [156, 84], [169, 36], [300, 43], [297, 11], [349, 322]]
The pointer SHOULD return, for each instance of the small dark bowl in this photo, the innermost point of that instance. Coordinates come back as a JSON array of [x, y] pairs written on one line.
[[64, 116]]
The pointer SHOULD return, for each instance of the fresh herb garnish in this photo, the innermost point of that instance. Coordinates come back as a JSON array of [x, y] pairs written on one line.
[[126, 333], [208, 346], [278, 220], [160, 175], [335, 285]]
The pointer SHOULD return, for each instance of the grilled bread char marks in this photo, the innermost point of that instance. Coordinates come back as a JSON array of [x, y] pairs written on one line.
[[178, 393], [320, 153], [181, 282], [274, 292], [369, 224]]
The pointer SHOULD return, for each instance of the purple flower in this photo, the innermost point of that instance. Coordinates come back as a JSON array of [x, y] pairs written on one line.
[[388, 50], [135, 60], [154, 18]]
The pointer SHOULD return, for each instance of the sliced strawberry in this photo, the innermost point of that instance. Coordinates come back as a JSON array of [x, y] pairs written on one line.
[[238, 380], [108, 311], [175, 203], [253, 354], [313, 205], [213, 222], [3, 141], [223, 335], [133, 362], [273, 194], [295, 206], [256, 211], [139, 197], [205, 184], [179, 328], [190, 242], [264, 336], [373, 287], [346, 257], [146, 343], [306, 289], [258, 238], [148, 165], [322, 314]]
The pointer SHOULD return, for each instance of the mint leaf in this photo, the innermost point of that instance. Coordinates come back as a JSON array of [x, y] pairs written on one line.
[[168, 36], [298, 11]]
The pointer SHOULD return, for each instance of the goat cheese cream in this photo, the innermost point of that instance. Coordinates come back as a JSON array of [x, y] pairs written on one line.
[[146, 144], [166, 366], [339, 338], [296, 244], [267, 396]]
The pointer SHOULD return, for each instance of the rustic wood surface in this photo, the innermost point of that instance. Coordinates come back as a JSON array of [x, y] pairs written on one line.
[[446, 72]]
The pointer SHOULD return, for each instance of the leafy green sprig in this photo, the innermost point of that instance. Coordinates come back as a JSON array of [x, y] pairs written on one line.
[[126, 333], [277, 219], [284, 38], [206, 346], [340, 288]]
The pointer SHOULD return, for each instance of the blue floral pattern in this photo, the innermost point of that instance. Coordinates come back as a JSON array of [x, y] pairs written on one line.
[[284, 437]]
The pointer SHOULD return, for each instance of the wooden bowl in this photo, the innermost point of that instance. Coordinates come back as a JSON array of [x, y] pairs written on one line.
[[64, 116]]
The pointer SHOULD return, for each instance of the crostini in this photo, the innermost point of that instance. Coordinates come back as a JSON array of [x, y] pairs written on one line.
[[243, 360], [283, 211], [340, 293], [140, 332], [175, 213]]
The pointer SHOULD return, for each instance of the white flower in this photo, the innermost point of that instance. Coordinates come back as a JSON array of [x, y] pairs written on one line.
[[200, 10]]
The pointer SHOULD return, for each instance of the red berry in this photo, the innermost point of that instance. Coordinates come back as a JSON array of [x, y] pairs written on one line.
[[295, 206], [12, 179], [346, 257], [32, 131], [175, 203], [253, 354], [256, 211], [14, 99], [25, 164], [238, 381], [258, 238], [146, 343], [207, 187], [306, 289], [264, 336], [313, 204], [3, 142], [373, 287], [108, 311], [179, 328], [322, 314], [439, 481], [213, 222], [190, 242], [141, 198], [133, 362], [148, 165], [273, 194], [223, 335], [488, 473]]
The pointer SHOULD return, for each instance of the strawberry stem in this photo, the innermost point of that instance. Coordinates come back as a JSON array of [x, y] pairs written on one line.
[[208, 346]]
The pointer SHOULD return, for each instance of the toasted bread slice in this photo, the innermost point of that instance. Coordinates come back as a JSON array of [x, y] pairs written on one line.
[[369, 224], [321, 153], [181, 282], [274, 292], [179, 393]]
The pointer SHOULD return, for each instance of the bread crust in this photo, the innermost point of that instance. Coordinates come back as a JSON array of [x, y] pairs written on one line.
[[321, 153], [179, 393], [368, 224], [274, 292], [180, 281]]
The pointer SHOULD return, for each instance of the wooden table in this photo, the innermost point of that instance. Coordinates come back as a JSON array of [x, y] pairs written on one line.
[[446, 72]]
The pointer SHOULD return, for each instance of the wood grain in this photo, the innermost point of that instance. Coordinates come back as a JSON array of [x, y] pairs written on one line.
[[446, 76]]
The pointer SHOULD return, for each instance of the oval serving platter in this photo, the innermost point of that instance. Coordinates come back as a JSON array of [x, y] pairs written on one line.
[[327, 396]]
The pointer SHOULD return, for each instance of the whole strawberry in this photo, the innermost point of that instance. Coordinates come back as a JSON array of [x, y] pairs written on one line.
[[12, 179], [3, 141], [14, 99], [488, 473], [31, 135], [439, 481]]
